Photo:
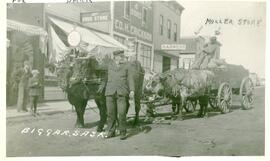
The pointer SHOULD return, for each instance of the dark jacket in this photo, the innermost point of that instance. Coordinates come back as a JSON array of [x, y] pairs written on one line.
[[119, 80], [34, 86], [136, 72]]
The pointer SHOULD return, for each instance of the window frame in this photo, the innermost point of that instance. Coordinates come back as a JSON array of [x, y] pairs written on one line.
[[161, 25], [125, 10], [175, 32], [169, 28]]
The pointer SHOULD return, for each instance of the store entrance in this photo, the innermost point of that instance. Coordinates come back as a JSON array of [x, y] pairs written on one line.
[[166, 63]]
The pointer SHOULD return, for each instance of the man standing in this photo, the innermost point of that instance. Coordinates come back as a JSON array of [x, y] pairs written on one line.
[[23, 88], [119, 88], [136, 73], [34, 91]]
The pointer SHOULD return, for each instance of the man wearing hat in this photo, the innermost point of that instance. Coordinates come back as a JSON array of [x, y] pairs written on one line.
[[119, 88], [210, 50], [34, 91]]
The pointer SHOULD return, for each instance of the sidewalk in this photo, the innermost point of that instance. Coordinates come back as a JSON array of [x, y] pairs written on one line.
[[46, 108]]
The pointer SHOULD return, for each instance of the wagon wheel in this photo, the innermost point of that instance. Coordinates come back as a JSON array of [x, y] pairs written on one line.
[[247, 93], [213, 103], [190, 106], [224, 98]]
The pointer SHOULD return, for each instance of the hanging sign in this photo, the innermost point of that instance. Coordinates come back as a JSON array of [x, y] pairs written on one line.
[[74, 38]]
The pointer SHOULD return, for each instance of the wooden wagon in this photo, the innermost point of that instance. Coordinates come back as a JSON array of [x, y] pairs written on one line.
[[232, 80]]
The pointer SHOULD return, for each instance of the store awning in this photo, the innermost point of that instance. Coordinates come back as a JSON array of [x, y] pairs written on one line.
[[91, 37], [27, 29]]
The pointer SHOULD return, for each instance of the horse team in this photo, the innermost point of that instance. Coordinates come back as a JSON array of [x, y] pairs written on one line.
[[168, 84]]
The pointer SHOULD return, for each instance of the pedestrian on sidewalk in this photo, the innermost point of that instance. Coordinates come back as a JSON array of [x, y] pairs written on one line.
[[34, 91], [25, 74]]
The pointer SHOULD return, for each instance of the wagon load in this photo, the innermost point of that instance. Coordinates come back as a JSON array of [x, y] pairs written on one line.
[[217, 63], [191, 82]]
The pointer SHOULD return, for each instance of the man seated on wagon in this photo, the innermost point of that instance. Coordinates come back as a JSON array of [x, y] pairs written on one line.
[[210, 50]]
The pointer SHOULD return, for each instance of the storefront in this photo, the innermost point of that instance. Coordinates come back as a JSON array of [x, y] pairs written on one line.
[[26, 43], [165, 60]]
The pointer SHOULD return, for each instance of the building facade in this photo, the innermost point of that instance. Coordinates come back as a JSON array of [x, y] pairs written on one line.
[[129, 22], [27, 42], [166, 34], [132, 23]]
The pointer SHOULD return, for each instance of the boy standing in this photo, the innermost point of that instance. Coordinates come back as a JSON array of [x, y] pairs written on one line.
[[34, 91]]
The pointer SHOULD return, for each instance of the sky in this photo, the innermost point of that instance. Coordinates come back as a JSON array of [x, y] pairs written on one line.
[[242, 43]]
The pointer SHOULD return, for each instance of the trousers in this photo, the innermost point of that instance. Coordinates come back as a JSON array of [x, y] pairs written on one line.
[[22, 97], [116, 106], [33, 103]]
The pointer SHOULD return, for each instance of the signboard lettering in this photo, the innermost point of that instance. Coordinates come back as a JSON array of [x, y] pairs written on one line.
[[131, 29], [173, 47], [95, 17]]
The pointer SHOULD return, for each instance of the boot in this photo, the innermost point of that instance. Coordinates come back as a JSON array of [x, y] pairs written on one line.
[[123, 135]]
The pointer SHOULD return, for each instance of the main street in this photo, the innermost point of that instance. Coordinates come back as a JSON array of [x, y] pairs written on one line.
[[240, 132]]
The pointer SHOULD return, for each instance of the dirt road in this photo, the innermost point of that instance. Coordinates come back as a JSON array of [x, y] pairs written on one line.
[[240, 132]]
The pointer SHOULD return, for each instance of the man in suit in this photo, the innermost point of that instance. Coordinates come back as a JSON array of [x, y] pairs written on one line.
[[119, 88], [25, 74], [136, 72]]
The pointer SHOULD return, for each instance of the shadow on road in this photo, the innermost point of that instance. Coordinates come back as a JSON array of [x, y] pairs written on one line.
[[139, 129]]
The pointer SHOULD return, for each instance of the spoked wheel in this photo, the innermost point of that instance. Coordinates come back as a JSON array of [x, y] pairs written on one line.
[[247, 93], [190, 106], [224, 98]]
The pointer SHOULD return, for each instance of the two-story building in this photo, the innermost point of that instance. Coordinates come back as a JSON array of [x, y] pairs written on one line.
[[166, 34]]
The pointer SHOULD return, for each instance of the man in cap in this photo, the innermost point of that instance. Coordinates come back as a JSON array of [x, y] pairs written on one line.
[[119, 88], [210, 50]]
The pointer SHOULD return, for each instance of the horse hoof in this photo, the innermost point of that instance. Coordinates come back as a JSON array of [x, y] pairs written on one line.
[[99, 129]]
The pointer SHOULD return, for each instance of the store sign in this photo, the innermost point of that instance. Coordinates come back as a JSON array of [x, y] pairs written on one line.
[[133, 30], [95, 17], [173, 47]]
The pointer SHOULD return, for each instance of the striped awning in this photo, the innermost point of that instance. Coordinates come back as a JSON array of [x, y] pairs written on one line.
[[27, 29]]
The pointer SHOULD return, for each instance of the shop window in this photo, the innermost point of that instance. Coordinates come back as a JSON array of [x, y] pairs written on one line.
[[175, 32], [169, 28], [145, 56], [161, 25], [166, 63], [127, 9]]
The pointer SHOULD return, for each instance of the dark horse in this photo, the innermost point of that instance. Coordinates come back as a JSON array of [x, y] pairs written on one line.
[[90, 83]]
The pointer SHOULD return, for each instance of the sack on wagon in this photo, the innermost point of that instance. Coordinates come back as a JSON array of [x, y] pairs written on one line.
[[216, 63], [196, 81]]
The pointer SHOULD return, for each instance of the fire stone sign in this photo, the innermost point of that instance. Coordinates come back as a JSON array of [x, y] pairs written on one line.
[[95, 17]]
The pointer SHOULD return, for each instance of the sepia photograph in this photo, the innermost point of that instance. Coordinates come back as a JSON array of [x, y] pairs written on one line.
[[135, 78]]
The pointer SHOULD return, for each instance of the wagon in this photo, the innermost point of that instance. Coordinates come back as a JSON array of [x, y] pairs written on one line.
[[234, 80]]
